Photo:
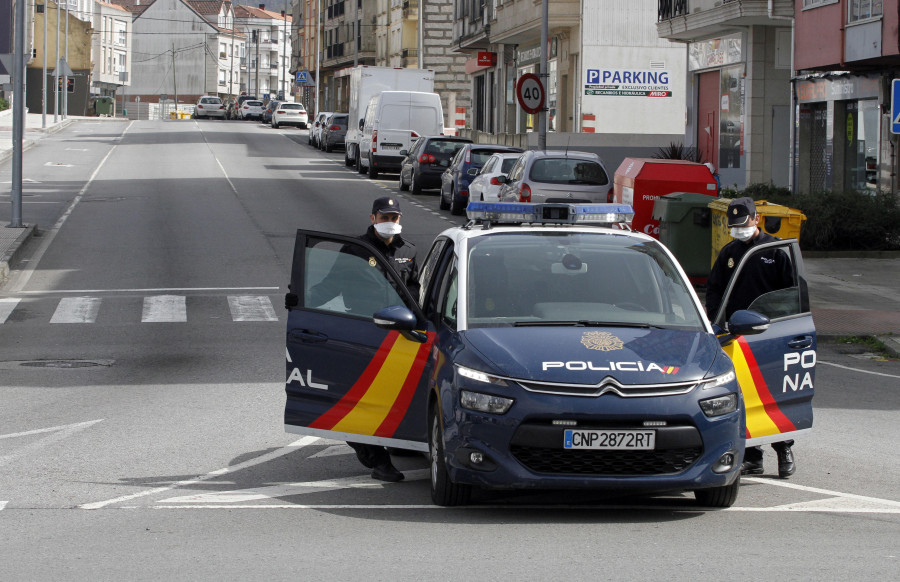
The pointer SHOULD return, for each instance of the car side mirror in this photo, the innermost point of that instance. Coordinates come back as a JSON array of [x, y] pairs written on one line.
[[362, 123], [399, 318], [744, 322], [501, 179], [404, 153], [473, 171]]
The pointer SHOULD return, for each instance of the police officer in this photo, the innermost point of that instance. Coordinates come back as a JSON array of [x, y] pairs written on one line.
[[384, 234], [768, 271]]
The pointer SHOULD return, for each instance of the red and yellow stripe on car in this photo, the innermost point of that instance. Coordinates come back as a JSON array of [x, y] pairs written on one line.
[[378, 400], [764, 418]]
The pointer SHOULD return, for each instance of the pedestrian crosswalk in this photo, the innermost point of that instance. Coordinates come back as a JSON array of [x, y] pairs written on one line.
[[149, 309]]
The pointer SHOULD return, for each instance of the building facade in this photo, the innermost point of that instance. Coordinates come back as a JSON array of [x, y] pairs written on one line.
[[266, 66], [111, 49]]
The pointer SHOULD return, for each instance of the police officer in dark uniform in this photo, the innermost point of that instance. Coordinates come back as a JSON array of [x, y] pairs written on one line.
[[384, 235], [768, 271]]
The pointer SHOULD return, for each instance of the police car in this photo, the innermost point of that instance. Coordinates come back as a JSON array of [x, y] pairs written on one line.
[[549, 347]]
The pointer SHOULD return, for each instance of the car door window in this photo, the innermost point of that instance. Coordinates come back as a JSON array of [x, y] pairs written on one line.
[[427, 274], [450, 296], [347, 279], [767, 281]]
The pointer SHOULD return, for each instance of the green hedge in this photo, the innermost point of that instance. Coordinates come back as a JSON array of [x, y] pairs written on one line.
[[4, 104], [837, 221]]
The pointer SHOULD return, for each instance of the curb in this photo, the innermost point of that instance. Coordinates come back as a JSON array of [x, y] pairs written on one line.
[[891, 342], [13, 252]]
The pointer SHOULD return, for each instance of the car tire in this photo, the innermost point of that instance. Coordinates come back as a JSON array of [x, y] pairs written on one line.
[[274, 125], [402, 186], [302, 126], [718, 496], [328, 147], [441, 204], [414, 186], [373, 172], [360, 169], [347, 161], [444, 492], [456, 204]]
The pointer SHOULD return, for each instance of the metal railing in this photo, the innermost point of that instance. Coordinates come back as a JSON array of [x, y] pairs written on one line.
[[667, 9]]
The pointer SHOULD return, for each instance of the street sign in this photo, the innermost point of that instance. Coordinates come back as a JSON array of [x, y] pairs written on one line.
[[895, 106], [530, 93]]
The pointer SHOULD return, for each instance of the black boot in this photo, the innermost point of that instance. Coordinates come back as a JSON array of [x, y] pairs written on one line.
[[786, 465], [753, 461], [387, 472]]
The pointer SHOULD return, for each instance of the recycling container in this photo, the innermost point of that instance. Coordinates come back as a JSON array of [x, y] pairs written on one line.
[[639, 182], [684, 227], [775, 219]]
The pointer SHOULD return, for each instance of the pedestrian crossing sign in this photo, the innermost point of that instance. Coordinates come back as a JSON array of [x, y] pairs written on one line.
[[895, 106], [302, 77]]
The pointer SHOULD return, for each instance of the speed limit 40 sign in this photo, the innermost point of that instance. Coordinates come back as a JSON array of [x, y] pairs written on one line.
[[530, 93]]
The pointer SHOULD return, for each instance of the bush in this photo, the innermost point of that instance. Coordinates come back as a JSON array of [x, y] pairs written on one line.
[[678, 151], [837, 221], [4, 104]]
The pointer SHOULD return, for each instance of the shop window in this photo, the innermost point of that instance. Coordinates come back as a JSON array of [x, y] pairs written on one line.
[[860, 139], [864, 9]]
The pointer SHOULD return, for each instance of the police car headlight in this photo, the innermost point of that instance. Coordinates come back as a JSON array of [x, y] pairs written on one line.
[[719, 405], [720, 380], [484, 402], [480, 376]]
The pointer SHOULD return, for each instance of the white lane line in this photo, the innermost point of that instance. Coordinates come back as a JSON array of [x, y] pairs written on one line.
[[291, 489], [211, 475], [798, 487], [164, 309], [59, 433], [332, 451], [3, 505], [151, 290], [519, 508], [251, 308], [7, 304], [858, 370], [76, 310]]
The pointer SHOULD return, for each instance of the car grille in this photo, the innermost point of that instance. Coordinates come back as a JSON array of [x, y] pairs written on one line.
[[606, 463]]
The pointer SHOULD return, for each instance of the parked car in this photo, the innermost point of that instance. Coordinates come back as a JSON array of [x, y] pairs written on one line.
[[485, 187], [209, 106], [251, 109], [315, 131], [334, 132], [463, 167], [424, 163], [538, 176], [268, 110], [290, 114]]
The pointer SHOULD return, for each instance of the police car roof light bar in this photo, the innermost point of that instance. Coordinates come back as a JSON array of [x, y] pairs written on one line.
[[549, 213]]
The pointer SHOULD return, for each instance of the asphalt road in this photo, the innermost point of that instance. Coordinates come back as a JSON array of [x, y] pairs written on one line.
[[141, 382]]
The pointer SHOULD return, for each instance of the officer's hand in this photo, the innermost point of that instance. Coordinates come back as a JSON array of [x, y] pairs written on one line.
[[291, 300]]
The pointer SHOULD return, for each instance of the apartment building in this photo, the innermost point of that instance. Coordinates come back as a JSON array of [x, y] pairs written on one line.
[[111, 49], [266, 70]]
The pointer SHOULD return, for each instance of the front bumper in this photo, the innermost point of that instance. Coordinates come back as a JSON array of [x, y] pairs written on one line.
[[524, 450]]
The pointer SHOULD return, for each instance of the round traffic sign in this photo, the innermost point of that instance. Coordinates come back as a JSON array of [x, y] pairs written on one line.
[[530, 93]]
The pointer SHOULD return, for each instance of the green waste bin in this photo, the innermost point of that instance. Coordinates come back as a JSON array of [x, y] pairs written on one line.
[[104, 106], [684, 227]]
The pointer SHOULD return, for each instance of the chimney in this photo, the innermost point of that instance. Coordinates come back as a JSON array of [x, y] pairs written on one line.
[[262, 6]]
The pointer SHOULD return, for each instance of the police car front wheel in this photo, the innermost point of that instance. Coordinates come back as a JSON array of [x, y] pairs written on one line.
[[718, 496], [443, 491]]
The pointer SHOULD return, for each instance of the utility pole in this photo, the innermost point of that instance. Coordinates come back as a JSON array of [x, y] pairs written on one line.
[[66, 72], [256, 39], [44, 77], [174, 83], [542, 114], [18, 105], [56, 74], [231, 68]]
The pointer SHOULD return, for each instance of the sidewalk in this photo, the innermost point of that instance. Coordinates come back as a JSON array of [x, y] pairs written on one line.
[[849, 295]]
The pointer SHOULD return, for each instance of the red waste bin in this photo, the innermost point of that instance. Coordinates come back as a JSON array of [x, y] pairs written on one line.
[[640, 181]]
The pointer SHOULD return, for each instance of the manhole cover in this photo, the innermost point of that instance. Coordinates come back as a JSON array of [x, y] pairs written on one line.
[[64, 364]]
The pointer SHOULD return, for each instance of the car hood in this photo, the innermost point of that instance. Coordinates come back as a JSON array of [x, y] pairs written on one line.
[[586, 355]]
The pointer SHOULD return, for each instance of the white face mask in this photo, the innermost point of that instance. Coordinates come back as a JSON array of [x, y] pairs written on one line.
[[388, 229], [743, 233]]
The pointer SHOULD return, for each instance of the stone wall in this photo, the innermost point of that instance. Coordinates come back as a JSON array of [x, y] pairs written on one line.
[[450, 79]]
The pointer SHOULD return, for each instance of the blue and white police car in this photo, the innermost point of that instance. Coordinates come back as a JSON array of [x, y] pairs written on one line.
[[549, 347]]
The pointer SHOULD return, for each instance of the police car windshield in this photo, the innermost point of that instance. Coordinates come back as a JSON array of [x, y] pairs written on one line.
[[575, 278]]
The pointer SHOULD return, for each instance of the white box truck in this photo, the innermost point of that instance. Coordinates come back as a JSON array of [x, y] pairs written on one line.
[[365, 83]]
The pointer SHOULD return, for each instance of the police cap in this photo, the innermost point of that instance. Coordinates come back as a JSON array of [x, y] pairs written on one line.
[[739, 210], [386, 205]]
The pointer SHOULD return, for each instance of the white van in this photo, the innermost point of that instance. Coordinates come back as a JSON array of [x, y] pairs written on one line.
[[393, 122]]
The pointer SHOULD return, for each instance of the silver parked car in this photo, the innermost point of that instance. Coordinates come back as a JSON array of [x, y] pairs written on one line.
[[251, 109], [486, 186], [315, 129], [209, 106], [539, 176]]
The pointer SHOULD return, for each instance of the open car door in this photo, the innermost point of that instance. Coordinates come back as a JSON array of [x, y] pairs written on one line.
[[349, 378], [776, 369]]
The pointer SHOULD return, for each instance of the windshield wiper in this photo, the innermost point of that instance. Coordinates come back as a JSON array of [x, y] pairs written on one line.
[[585, 323]]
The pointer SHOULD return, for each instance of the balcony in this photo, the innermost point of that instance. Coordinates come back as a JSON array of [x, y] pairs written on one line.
[[411, 9], [694, 20]]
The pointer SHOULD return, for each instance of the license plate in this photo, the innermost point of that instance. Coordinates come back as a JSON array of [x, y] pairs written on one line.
[[610, 439], [390, 146]]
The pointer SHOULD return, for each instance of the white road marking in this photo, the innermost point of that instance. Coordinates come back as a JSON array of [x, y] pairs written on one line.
[[7, 304], [852, 496], [251, 308], [58, 433], [211, 475], [57, 164], [76, 310], [151, 290], [332, 451], [3, 505], [858, 370], [164, 308]]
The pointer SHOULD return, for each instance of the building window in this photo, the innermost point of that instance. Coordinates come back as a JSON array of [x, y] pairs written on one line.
[[817, 3], [865, 9], [121, 35]]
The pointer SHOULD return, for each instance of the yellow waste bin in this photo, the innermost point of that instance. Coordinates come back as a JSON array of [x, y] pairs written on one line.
[[173, 115], [774, 219], [185, 115]]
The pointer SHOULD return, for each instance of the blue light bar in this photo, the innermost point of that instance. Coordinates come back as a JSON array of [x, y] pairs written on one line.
[[549, 213]]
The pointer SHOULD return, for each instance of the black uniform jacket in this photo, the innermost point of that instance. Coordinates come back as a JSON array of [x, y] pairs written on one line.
[[767, 271]]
